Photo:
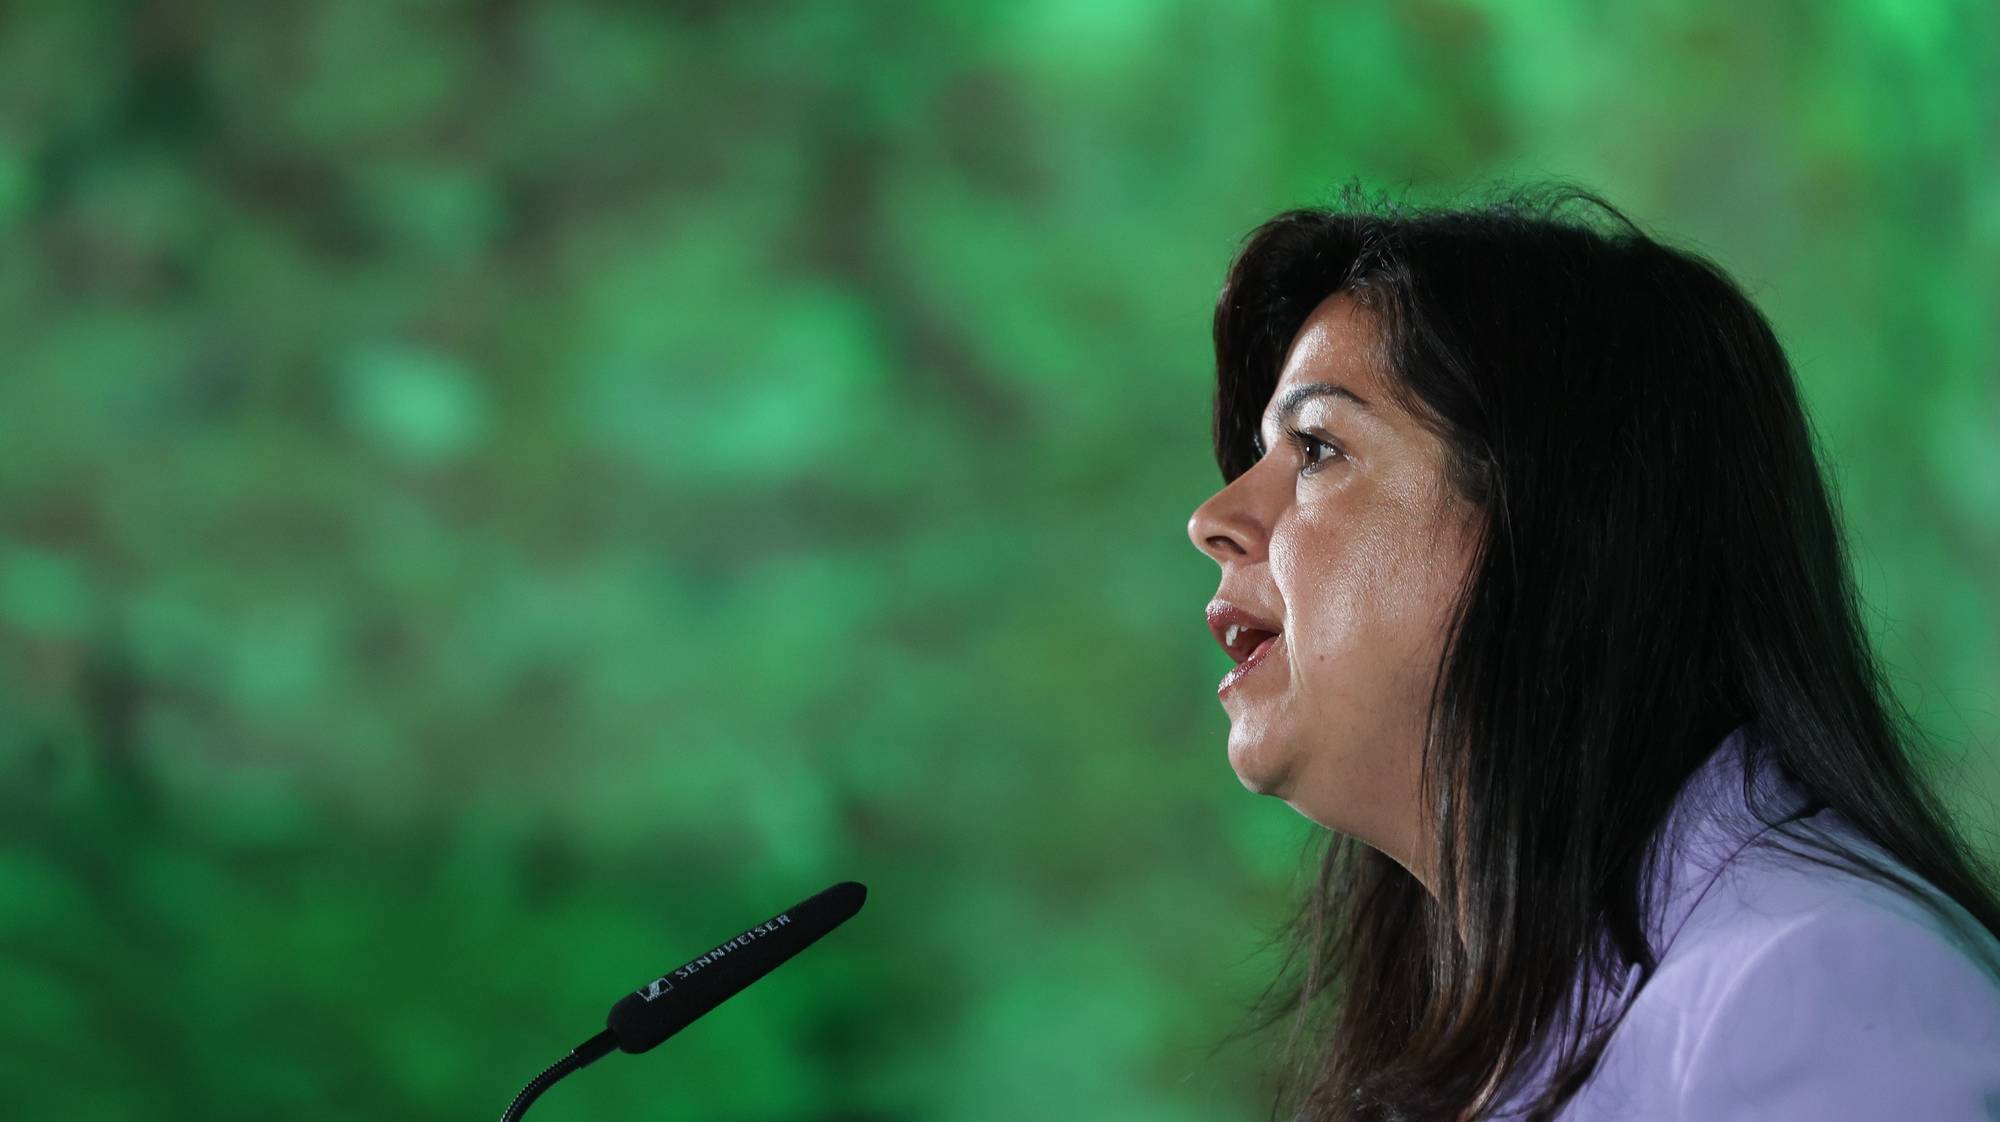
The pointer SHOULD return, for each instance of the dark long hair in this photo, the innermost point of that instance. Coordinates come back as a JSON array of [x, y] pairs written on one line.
[[1662, 563]]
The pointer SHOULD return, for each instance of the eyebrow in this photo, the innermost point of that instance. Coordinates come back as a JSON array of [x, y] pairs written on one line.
[[1299, 395]]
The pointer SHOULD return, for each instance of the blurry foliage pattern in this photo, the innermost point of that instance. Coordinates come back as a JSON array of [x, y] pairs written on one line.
[[496, 497]]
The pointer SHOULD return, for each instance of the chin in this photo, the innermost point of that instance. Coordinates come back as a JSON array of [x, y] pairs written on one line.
[[1255, 771]]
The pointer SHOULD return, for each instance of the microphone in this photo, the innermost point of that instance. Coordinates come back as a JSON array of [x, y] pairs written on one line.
[[667, 1004]]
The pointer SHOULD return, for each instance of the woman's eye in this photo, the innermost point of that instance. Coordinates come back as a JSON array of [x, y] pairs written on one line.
[[1307, 443]]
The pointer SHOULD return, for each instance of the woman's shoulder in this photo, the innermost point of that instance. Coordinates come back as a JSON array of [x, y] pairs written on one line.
[[1861, 1007], [1769, 905], [1797, 991], [1768, 889]]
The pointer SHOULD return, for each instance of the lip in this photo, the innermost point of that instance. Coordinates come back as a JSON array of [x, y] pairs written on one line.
[[1222, 614], [1241, 669]]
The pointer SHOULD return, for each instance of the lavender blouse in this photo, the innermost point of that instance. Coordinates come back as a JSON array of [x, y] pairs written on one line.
[[1788, 992]]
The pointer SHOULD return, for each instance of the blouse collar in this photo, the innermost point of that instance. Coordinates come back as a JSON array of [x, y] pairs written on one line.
[[1712, 819]]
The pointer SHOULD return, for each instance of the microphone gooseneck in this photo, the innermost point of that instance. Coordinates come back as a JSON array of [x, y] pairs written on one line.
[[578, 1058], [667, 1004]]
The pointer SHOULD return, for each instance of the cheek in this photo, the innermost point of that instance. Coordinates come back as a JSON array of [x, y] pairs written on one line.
[[1366, 584], [1334, 577]]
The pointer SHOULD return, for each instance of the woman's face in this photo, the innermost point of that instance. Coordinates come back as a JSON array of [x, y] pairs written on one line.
[[1355, 547]]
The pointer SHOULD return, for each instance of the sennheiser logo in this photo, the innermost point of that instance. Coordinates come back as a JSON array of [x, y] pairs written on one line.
[[664, 985]]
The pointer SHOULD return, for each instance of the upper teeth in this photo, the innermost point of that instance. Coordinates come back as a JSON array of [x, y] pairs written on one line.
[[1234, 629]]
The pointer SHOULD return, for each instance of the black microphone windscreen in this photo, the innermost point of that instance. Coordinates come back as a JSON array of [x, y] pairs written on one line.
[[674, 1000]]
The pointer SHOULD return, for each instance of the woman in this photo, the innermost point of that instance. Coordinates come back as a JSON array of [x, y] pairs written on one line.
[[1541, 608]]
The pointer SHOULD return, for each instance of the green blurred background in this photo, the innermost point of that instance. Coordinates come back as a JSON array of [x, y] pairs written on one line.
[[498, 497]]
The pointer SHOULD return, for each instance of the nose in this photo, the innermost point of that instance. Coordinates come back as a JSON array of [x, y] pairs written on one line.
[[1225, 529]]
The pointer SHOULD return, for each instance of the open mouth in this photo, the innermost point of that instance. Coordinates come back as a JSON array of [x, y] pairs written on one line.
[[1245, 633], [1245, 643], [1250, 662]]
